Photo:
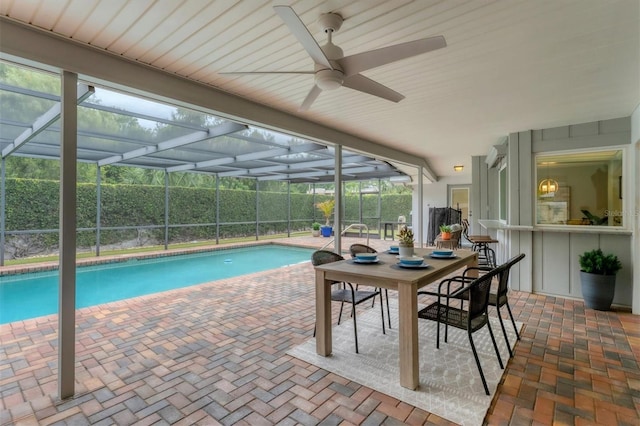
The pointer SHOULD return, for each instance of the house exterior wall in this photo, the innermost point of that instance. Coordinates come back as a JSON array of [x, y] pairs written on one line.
[[551, 265]]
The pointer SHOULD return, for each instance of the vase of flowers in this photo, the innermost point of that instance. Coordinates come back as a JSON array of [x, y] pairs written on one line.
[[406, 242]]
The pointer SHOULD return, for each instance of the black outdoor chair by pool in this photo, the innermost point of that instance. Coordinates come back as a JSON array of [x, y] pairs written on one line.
[[354, 249], [471, 319], [344, 294], [500, 297]]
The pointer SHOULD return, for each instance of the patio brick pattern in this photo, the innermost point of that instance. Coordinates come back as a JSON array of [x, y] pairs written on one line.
[[216, 354]]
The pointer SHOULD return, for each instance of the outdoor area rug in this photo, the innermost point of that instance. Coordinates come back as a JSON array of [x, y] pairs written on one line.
[[450, 385]]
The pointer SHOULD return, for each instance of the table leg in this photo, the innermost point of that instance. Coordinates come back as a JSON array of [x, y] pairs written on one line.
[[323, 315], [408, 338]]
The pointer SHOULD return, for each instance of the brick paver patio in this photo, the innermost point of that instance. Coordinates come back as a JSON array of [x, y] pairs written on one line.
[[216, 354]]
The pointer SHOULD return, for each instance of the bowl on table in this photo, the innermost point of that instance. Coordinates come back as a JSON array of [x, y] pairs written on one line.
[[443, 252], [411, 261], [366, 257], [394, 249]]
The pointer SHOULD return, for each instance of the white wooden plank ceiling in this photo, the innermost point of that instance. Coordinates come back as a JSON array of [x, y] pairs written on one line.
[[509, 65]]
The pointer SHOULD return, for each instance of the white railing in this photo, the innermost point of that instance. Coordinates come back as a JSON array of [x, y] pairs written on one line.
[[353, 225]]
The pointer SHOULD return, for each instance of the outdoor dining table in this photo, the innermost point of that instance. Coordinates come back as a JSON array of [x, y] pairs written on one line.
[[386, 274]]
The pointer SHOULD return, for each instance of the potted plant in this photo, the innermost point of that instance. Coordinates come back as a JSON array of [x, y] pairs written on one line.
[[445, 232], [598, 278], [315, 229], [326, 207], [406, 240]]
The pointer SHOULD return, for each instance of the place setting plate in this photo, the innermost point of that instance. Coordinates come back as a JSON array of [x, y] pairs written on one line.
[[443, 256], [364, 261], [408, 266], [415, 262]]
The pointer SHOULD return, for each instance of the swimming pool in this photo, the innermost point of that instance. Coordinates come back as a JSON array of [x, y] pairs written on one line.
[[32, 295]]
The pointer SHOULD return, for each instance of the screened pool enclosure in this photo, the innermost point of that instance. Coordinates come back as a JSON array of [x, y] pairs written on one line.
[[161, 173]]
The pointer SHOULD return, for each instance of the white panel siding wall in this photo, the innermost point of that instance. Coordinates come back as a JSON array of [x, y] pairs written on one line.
[[557, 270], [551, 263]]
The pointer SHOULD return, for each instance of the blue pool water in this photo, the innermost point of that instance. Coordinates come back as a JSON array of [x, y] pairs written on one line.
[[36, 294]]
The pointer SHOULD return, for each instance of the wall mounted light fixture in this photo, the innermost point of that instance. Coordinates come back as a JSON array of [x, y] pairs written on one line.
[[458, 167]]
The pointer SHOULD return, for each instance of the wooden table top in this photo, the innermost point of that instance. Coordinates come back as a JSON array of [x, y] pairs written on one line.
[[386, 270]]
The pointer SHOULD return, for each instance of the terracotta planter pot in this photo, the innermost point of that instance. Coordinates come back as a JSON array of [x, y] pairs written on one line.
[[445, 235]]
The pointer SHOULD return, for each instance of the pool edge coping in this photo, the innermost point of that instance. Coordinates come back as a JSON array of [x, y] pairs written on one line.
[[100, 260]]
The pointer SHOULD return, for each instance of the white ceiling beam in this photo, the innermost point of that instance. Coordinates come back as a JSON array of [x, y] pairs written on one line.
[[213, 132], [45, 120]]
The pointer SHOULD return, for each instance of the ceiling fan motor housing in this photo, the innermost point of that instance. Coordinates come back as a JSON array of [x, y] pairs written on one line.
[[329, 79]]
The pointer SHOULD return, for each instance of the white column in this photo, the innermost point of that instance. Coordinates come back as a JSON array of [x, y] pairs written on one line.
[[67, 237], [420, 227], [338, 196]]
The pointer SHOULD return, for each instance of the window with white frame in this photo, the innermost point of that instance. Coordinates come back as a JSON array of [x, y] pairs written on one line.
[[580, 188]]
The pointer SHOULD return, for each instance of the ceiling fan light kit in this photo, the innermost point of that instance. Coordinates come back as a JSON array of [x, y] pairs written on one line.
[[329, 79], [333, 70]]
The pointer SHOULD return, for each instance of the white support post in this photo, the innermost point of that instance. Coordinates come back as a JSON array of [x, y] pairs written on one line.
[[67, 236], [337, 216], [420, 227]]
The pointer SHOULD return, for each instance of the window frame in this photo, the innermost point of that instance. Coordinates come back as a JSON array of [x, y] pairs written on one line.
[[626, 222]]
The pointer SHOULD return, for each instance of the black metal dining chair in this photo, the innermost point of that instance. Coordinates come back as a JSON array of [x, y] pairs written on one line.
[[499, 298], [344, 294], [471, 319], [356, 248]]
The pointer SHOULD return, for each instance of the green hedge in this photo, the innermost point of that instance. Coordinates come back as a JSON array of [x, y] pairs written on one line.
[[34, 204]]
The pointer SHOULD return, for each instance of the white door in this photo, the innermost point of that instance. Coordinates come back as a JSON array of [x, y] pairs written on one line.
[[459, 199]]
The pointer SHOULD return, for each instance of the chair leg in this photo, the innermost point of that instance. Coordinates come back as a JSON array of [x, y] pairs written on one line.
[[504, 332], [340, 314], [438, 329], [386, 292], [382, 312], [513, 321], [475, 355], [495, 345], [355, 325]]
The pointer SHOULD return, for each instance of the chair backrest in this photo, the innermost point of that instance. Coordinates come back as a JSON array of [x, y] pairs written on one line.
[[503, 278], [456, 235], [479, 294], [465, 229], [360, 248], [322, 257], [490, 256]]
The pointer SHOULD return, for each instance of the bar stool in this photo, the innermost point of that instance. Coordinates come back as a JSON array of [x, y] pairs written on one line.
[[480, 243]]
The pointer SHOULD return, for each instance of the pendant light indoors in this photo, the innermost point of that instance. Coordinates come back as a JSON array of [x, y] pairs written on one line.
[[548, 186]]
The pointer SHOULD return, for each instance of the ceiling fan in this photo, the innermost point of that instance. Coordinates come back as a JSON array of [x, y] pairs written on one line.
[[333, 69]]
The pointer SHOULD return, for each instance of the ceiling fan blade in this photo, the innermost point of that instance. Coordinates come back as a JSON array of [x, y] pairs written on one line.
[[366, 85], [354, 64], [303, 35], [313, 94], [268, 72]]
